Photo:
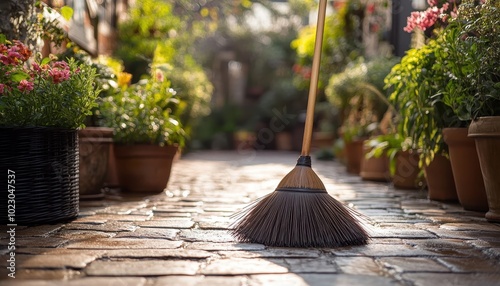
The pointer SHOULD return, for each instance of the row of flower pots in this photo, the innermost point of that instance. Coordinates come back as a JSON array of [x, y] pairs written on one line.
[[132, 168], [470, 175]]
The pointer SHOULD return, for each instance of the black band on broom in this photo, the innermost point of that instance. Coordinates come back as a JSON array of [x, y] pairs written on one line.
[[300, 212]]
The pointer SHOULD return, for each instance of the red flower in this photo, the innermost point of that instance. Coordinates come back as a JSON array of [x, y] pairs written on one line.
[[25, 86]]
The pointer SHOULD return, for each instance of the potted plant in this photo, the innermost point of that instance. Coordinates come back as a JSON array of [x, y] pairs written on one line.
[[43, 103], [424, 115], [147, 132], [403, 159], [356, 94], [473, 90], [95, 140]]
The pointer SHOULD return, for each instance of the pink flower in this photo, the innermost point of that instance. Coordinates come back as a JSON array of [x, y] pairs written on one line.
[[25, 86], [2, 88], [432, 2], [59, 75]]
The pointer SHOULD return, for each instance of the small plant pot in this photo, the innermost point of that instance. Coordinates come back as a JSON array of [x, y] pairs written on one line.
[[353, 154], [440, 181], [407, 171], [144, 168], [374, 169], [94, 146], [466, 169], [486, 133]]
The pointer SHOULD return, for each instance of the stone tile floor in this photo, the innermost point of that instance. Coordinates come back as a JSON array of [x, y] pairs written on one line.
[[180, 237]]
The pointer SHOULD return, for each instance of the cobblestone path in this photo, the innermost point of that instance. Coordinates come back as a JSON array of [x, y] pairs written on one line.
[[180, 237]]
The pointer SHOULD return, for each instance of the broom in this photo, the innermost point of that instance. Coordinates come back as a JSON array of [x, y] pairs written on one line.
[[300, 212]]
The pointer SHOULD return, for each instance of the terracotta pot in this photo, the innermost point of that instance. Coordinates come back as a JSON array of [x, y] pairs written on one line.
[[353, 155], [94, 145], [144, 168], [407, 171], [440, 181], [466, 170], [374, 169], [486, 133], [284, 141]]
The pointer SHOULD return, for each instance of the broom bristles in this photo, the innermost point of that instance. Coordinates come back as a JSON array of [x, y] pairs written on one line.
[[299, 213]]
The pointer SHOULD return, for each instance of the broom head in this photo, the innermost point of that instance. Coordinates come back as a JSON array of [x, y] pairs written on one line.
[[299, 213]]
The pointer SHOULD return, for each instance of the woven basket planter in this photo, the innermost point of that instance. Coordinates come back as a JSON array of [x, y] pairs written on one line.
[[45, 163]]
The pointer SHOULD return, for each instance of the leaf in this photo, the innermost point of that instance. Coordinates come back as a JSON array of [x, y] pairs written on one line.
[[18, 76], [67, 12]]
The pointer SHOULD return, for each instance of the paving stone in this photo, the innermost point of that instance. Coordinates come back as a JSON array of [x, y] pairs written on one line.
[[242, 266], [215, 223], [455, 279], [273, 253], [468, 264], [75, 261], [178, 209], [438, 243], [316, 265], [109, 281], [45, 274], [124, 243], [470, 226], [168, 223], [388, 232], [106, 227], [413, 264], [206, 235], [84, 234], [381, 250], [224, 246], [142, 268], [42, 230], [201, 280], [358, 266], [158, 253], [36, 242], [144, 232], [320, 280]]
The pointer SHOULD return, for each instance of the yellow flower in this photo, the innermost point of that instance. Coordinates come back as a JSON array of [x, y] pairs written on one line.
[[124, 79]]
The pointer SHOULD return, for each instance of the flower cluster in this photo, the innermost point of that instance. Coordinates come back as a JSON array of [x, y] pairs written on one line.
[[424, 20], [49, 92], [17, 76]]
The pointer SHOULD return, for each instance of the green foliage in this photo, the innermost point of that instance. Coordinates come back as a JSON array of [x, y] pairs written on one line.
[[422, 112], [450, 80], [341, 44], [192, 86], [388, 145], [144, 112], [150, 22], [357, 92], [471, 58], [46, 93]]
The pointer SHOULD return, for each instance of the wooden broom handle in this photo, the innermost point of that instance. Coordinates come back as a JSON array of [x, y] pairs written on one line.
[[313, 88]]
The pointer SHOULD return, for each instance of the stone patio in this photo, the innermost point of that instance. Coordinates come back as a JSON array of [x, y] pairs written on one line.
[[180, 237]]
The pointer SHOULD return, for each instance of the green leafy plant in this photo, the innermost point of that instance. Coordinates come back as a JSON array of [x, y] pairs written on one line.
[[416, 84], [144, 112], [471, 57], [46, 92]]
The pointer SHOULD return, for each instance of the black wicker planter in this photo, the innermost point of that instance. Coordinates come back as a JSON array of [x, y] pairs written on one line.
[[44, 162]]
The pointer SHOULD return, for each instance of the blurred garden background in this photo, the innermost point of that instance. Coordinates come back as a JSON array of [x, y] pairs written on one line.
[[240, 69]]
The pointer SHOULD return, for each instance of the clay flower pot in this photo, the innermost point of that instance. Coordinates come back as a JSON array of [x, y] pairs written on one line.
[[407, 171], [144, 168], [440, 181], [466, 170], [94, 146], [486, 133]]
